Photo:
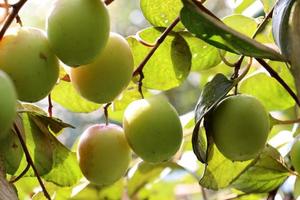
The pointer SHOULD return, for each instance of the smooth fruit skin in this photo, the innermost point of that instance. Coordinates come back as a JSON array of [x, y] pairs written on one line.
[[103, 154], [240, 126], [78, 30], [104, 79], [30, 63], [8, 102], [295, 155], [153, 129]]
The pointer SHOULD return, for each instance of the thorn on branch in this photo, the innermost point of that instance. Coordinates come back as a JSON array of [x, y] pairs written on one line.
[[19, 21]]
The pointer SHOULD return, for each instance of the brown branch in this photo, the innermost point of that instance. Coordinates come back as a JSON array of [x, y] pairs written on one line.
[[159, 41], [274, 74], [30, 161], [16, 8]]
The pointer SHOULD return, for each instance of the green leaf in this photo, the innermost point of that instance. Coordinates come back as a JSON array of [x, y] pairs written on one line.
[[128, 95], [243, 6], [170, 64], [93, 192], [65, 94], [269, 86], [268, 5], [147, 173], [241, 23], [39, 116], [38, 145], [52, 159], [162, 12], [268, 173], [65, 170], [211, 94], [218, 34], [204, 55], [220, 171], [280, 25]]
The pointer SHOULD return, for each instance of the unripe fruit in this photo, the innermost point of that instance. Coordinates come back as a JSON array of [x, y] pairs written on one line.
[[8, 103], [104, 79], [78, 30], [240, 126], [103, 154], [295, 155], [29, 61], [153, 129]]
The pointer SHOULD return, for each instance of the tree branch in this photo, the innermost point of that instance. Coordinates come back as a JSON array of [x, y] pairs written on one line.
[[30, 161], [274, 74], [14, 14], [159, 41]]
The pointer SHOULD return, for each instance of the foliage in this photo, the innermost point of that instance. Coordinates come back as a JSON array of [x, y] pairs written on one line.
[[186, 50]]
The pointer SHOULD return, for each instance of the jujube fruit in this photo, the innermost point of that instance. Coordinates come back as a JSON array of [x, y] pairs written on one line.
[[153, 129], [8, 103], [104, 79], [239, 125], [103, 154], [28, 60], [78, 30]]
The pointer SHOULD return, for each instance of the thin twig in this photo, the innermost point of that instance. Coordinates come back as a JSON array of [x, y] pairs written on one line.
[[274, 74], [292, 121], [139, 69], [16, 8], [21, 175], [105, 108], [30, 161], [143, 42], [50, 105]]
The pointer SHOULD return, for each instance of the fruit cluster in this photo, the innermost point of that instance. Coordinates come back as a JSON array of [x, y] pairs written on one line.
[[101, 67]]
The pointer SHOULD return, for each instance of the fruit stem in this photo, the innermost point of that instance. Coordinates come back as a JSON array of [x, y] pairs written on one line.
[[105, 108], [30, 161], [50, 105], [14, 14]]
